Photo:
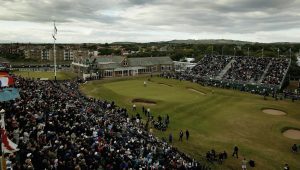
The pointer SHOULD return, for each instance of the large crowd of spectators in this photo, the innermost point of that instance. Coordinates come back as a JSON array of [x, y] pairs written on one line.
[[210, 66], [56, 127], [277, 71], [258, 75], [246, 69]]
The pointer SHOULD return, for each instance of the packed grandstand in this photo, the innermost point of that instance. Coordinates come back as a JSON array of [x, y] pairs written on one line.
[[250, 72]]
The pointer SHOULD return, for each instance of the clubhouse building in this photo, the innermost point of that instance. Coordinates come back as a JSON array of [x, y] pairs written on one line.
[[120, 66]]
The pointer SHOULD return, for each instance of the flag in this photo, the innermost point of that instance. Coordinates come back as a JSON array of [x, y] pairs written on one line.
[[55, 31], [7, 145]]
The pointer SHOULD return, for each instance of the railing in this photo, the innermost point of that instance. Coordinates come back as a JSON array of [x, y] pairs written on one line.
[[282, 81]]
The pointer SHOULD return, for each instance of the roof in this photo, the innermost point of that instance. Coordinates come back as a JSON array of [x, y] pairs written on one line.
[[109, 65], [148, 61], [113, 62], [109, 59]]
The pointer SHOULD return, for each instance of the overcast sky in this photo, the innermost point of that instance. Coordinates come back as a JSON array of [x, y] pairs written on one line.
[[149, 20]]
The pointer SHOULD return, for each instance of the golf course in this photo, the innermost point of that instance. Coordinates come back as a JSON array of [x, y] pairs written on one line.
[[216, 118]]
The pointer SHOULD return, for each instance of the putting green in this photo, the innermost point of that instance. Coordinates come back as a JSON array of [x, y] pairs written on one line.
[[217, 120]]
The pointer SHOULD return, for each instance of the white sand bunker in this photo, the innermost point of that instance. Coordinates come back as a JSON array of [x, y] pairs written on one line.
[[292, 134], [274, 112], [197, 91], [143, 102]]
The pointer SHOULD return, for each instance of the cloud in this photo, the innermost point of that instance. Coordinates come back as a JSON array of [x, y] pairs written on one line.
[[150, 20]]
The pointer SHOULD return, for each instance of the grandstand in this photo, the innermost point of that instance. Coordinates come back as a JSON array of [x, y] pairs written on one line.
[[265, 72]]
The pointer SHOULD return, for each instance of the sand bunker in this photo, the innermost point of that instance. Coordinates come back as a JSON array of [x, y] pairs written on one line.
[[197, 91], [143, 102], [274, 112], [165, 84], [292, 134]]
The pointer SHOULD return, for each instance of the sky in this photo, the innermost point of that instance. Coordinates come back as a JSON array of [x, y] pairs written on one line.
[[101, 21]]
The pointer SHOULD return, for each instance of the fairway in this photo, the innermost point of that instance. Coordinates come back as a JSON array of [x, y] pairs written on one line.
[[63, 75], [216, 118]]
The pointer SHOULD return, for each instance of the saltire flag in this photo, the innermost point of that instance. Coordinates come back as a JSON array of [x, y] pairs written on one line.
[[7, 145], [55, 31]]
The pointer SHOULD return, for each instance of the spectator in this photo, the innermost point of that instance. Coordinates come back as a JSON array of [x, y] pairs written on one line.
[[286, 167], [187, 134], [180, 135], [294, 148], [170, 138], [244, 164], [235, 152]]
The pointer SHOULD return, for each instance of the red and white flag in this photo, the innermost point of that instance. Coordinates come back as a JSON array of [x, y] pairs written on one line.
[[7, 145]]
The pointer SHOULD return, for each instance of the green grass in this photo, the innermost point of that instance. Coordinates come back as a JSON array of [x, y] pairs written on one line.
[[220, 119], [64, 75]]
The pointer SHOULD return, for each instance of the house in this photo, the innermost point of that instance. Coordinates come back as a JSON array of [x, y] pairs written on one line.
[[120, 66]]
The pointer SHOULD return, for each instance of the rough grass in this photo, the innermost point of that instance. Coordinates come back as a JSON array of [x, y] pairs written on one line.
[[64, 75], [220, 119]]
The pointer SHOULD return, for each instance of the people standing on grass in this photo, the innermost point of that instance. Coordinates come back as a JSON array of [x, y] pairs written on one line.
[[244, 164], [294, 148], [145, 84], [187, 134], [134, 107], [148, 112], [286, 167], [235, 152], [170, 138], [180, 135]]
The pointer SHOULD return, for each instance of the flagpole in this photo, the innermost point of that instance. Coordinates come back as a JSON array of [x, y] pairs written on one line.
[[54, 53]]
